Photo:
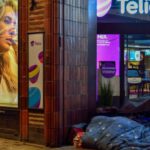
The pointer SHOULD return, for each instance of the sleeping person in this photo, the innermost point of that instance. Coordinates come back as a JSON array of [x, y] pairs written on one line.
[[116, 133]]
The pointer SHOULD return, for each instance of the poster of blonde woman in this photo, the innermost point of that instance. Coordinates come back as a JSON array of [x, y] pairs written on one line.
[[8, 53]]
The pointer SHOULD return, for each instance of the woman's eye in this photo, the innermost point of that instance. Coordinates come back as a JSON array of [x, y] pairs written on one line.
[[7, 20]]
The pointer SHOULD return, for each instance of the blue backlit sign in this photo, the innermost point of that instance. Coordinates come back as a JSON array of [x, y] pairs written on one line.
[[132, 7], [133, 11]]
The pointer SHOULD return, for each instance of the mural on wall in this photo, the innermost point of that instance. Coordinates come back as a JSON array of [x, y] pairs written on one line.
[[36, 48], [9, 53]]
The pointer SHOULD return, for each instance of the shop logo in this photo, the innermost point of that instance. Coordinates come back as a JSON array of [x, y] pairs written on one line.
[[102, 36], [133, 7], [108, 69], [103, 7], [33, 43]]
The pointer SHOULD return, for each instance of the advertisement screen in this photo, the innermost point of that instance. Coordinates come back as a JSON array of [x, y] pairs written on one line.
[[9, 53], [134, 55], [36, 50], [108, 51]]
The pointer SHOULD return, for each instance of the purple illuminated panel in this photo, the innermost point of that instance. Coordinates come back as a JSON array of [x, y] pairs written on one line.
[[108, 49]]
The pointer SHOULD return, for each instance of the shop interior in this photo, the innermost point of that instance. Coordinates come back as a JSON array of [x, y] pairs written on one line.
[[136, 76], [137, 66]]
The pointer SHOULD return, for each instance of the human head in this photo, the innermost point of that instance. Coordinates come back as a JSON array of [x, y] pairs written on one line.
[[142, 55], [8, 20]]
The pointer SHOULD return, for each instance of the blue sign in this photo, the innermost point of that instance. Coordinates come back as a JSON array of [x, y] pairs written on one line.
[[123, 11]]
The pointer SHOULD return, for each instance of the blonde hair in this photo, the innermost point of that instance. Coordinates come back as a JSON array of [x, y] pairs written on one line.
[[11, 3], [8, 60]]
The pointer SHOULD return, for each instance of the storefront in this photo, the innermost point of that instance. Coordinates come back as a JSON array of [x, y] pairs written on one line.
[[123, 47], [44, 68]]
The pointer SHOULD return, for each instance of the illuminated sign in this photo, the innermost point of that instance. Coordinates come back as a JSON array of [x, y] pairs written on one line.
[[130, 7], [103, 7], [36, 47], [108, 52], [133, 7]]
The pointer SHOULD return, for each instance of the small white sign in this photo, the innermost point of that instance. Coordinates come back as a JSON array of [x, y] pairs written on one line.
[[134, 80]]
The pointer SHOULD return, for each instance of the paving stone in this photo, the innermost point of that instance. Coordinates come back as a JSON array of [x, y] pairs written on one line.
[[6, 144]]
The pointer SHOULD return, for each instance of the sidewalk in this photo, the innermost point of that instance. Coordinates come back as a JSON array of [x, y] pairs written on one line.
[[6, 144]]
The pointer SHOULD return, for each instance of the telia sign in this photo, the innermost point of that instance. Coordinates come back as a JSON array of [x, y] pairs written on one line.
[[126, 6], [134, 7], [103, 7]]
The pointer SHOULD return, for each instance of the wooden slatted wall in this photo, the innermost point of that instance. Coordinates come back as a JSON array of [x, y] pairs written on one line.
[[37, 16], [76, 62], [36, 23], [43, 18]]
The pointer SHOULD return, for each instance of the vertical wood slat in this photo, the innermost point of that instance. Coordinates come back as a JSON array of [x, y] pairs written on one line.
[[53, 108], [36, 16], [75, 63], [23, 69]]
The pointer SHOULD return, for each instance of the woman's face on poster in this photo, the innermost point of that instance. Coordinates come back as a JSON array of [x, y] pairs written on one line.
[[7, 29]]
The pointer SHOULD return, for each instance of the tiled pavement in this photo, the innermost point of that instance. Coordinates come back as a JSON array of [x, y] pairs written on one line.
[[6, 144]]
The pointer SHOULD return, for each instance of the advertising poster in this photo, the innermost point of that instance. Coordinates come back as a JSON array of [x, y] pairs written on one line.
[[9, 53], [36, 47], [108, 50]]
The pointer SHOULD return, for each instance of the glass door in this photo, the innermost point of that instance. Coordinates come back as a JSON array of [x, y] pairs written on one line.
[[137, 66]]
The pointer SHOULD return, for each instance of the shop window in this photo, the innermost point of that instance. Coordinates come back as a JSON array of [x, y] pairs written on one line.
[[137, 67]]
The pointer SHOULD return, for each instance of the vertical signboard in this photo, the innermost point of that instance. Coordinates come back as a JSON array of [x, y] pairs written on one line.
[[108, 63], [108, 50], [9, 53], [36, 47]]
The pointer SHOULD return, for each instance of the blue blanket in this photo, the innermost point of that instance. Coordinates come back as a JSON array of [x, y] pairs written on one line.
[[116, 133]]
